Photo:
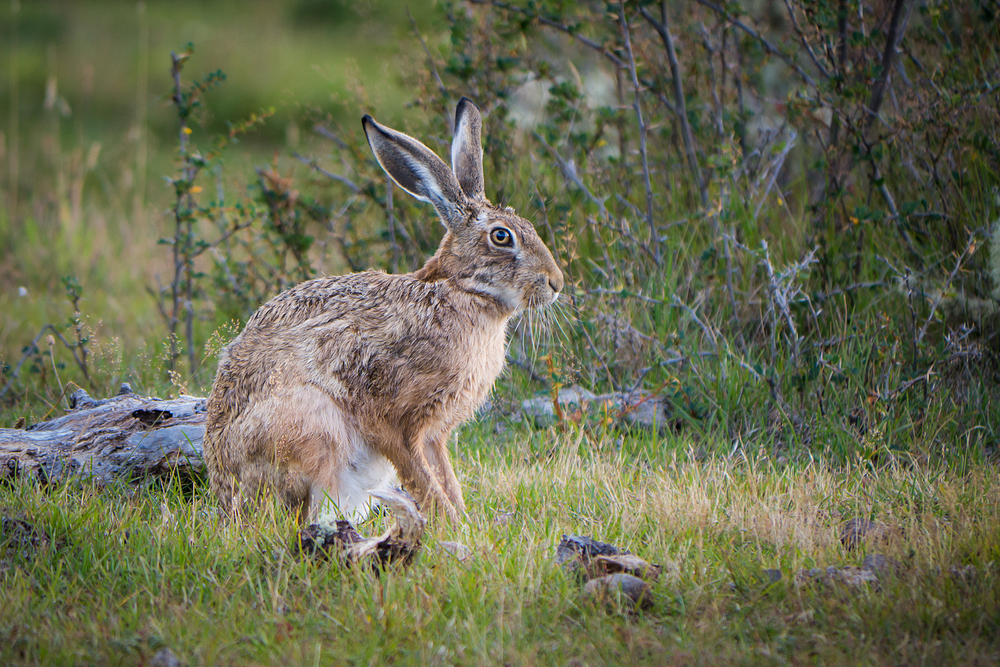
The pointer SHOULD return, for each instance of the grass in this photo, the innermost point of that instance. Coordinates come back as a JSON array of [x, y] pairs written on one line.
[[127, 572], [804, 394]]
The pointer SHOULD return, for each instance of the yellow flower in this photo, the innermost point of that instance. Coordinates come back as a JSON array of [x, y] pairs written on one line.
[[187, 130], [195, 189]]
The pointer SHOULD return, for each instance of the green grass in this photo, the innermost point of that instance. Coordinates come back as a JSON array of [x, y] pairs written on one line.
[[126, 572], [773, 451]]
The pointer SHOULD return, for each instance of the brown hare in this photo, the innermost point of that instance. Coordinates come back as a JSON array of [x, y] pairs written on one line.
[[339, 384]]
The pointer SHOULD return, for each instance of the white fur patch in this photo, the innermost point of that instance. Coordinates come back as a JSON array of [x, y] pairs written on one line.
[[366, 471]]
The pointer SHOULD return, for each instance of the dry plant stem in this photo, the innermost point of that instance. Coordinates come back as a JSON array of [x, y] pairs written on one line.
[[804, 41], [332, 176], [14, 137], [768, 46], [569, 173], [663, 29], [327, 134], [713, 84], [32, 348], [897, 26], [776, 166], [709, 334], [727, 251], [183, 282], [654, 237], [600, 48], [449, 118], [141, 100], [969, 244]]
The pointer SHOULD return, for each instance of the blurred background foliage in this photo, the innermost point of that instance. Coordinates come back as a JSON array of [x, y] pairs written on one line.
[[777, 215]]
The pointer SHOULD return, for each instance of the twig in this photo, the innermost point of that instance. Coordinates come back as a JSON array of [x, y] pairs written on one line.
[[947, 284], [654, 238], [623, 294], [823, 296], [768, 46], [600, 48], [327, 134], [677, 303], [777, 163], [805, 43], [663, 28], [430, 62], [527, 368], [713, 83], [569, 173], [897, 26], [333, 177], [33, 348]]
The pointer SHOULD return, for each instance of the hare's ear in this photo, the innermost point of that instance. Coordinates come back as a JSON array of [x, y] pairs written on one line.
[[467, 149], [416, 169]]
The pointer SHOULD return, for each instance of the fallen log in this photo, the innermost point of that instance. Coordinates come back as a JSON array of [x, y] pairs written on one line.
[[125, 437]]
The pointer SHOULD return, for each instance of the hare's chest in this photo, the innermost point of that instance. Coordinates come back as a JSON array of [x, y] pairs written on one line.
[[481, 361]]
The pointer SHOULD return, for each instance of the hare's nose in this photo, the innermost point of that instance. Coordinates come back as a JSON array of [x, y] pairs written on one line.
[[556, 282]]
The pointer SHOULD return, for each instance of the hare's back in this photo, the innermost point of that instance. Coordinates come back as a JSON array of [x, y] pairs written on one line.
[[346, 334]]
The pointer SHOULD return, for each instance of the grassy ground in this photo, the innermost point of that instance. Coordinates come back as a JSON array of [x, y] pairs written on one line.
[[823, 330], [116, 576]]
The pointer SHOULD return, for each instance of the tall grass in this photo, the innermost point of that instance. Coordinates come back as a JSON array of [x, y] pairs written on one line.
[[122, 574]]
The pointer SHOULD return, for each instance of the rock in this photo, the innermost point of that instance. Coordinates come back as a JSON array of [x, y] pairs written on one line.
[[624, 589], [571, 399], [165, 658], [574, 553], [855, 576], [855, 531], [849, 575], [642, 409], [638, 408], [771, 576], [881, 564], [626, 564]]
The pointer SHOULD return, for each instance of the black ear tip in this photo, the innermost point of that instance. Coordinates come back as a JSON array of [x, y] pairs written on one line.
[[463, 106], [368, 124]]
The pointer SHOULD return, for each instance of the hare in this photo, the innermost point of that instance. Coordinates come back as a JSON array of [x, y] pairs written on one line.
[[339, 384]]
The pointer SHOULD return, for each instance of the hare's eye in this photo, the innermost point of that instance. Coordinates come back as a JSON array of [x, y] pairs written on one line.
[[502, 237]]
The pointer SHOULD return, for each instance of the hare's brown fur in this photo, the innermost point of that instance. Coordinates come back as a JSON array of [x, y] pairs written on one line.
[[337, 378]]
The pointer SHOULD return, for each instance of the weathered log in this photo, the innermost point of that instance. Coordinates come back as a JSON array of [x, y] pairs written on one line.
[[124, 437]]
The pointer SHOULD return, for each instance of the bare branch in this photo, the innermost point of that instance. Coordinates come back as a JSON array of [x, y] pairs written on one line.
[[654, 237], [805, 43], [334, 177], [663, 28], [600, 48], [897, 26], [430, 63], [768, 46]]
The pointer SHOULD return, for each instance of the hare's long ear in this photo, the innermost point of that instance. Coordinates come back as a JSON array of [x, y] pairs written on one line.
[[467, 149], [417, 170]]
